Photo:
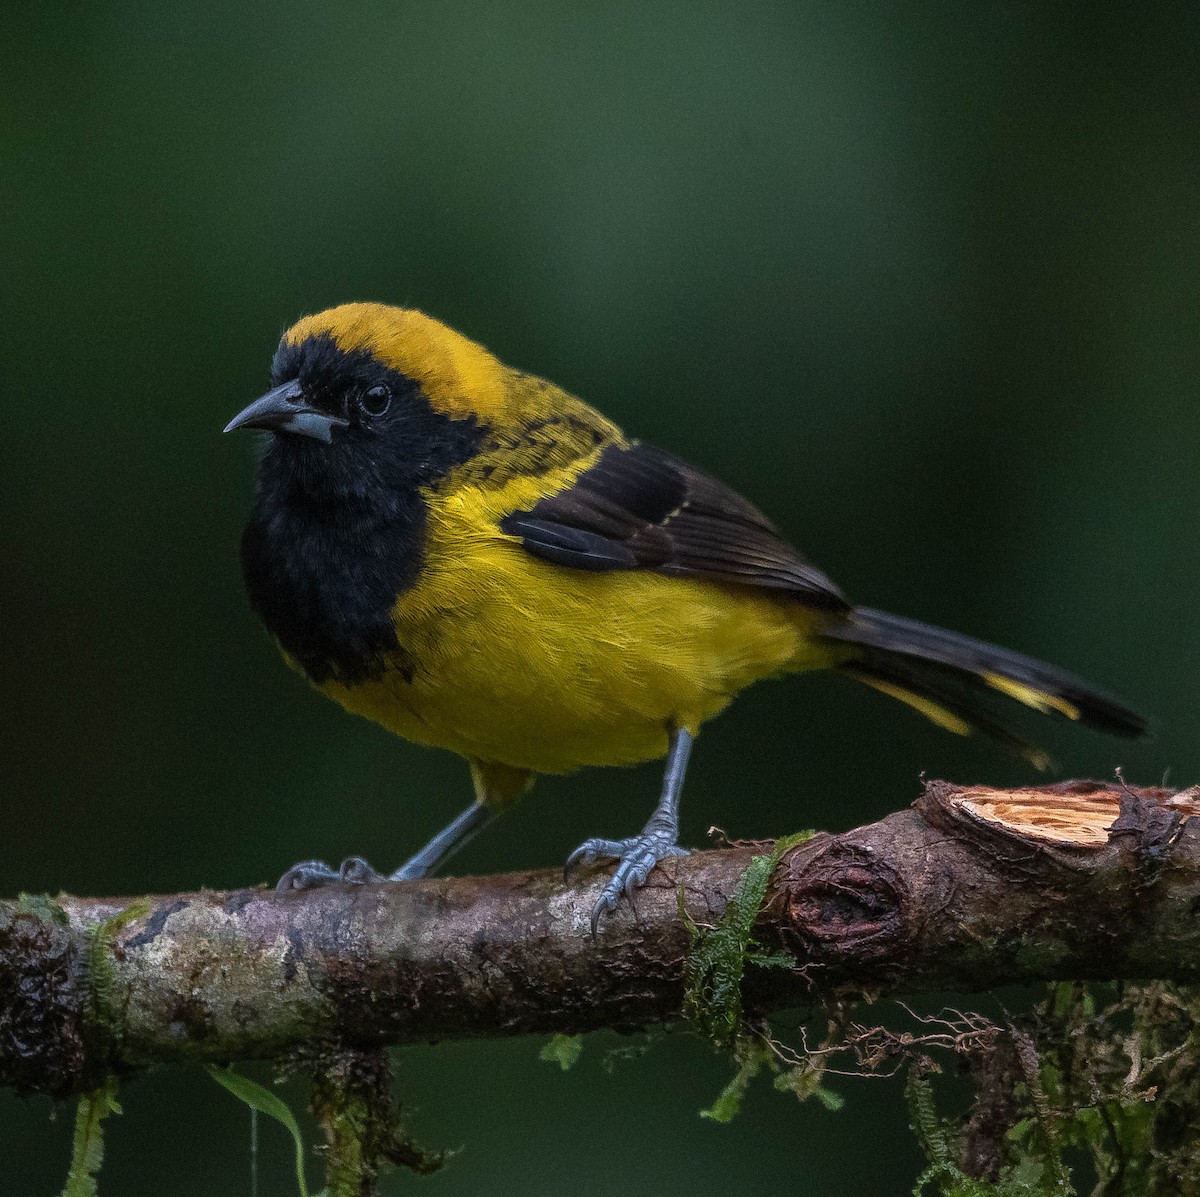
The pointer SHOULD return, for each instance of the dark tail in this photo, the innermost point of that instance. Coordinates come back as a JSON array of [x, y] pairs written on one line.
[[950, 678]]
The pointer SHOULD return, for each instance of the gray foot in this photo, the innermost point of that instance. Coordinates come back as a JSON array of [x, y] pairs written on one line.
[[636, 856], [311, 874]]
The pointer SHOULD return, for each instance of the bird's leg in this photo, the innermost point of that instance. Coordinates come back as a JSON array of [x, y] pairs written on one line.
[[356, 871], [658, 839], [444, 845], [497, 787]]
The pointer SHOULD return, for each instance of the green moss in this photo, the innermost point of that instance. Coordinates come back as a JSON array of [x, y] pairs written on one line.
[[1030, 1176], [718, 957], [804, 1081], [563, 1050], [1111, 1074], [346, 1166], [43, 907], [752, 1056], [102, 972], [715, 968], [352, 1101], [87, 1150]]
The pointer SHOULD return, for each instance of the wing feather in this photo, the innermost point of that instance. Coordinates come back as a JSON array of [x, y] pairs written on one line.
[[640, 508]]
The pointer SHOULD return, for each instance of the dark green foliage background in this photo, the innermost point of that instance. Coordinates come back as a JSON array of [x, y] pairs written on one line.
[[918, 278]]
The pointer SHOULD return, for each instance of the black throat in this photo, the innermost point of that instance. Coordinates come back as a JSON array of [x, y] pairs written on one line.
[[337, 532]]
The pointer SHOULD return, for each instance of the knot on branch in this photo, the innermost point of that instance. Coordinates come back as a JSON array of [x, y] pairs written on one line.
[[842, 898], [1153, 825], [41, 966]]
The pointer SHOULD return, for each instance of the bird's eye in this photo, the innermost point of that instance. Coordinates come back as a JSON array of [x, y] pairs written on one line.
[[374, 401]]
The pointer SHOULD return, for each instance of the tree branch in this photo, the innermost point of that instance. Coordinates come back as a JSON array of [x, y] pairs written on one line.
[[968, 890]]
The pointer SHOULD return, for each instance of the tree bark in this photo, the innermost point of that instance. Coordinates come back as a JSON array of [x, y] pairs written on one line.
[[968, 890]]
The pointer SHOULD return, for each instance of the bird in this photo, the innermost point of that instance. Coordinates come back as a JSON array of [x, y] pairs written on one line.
[[479, 561]]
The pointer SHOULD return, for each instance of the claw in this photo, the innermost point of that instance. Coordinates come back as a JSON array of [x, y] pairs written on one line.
[[308, 874], [590, 851], [635, 878], [355, 871], [636, 857], [312, 874], [603, 903]]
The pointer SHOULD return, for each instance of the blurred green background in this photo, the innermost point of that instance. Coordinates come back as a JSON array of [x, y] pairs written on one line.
[[920, 279]]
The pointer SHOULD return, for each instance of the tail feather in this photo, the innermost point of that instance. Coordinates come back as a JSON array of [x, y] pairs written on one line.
[[960, 713], [948, 678]]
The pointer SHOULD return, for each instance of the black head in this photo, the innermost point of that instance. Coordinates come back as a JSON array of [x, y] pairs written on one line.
[[338, 528], [343, 419]]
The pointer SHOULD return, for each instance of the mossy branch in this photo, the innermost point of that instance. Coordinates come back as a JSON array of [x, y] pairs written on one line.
[[968, 890]]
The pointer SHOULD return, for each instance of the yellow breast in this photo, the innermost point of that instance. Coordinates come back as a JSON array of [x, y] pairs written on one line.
[[511, 659]]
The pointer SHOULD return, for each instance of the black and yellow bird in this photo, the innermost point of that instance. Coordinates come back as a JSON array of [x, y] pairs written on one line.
[[479, 561]]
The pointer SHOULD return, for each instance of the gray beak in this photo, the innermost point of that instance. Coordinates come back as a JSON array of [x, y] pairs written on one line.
[[284, 410]]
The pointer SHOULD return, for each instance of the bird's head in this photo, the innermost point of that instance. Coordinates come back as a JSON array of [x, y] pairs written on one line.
[[365, 383]]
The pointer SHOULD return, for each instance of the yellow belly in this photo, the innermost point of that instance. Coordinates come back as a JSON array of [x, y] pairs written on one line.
[[546, 668]]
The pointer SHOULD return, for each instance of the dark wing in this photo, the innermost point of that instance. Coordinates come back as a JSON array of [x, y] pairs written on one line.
[[640, 508]]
